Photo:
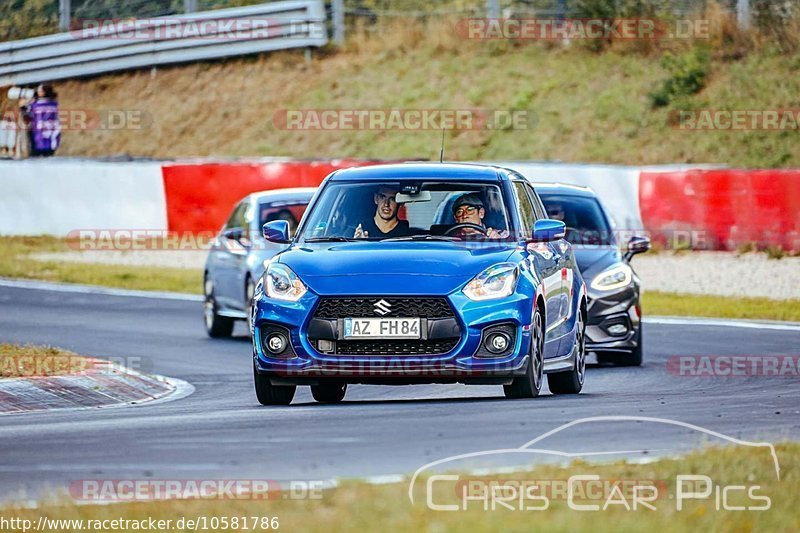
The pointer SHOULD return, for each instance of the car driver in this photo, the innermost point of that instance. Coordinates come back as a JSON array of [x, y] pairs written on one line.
[[469, 209]]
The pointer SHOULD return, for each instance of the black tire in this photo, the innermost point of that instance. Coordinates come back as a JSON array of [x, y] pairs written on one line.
[[529, 385], [269, 394], [572, 382], [329, 392], [635, 358], [216, 326]]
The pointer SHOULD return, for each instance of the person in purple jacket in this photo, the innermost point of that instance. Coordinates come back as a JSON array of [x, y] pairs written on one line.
[[44, 127]]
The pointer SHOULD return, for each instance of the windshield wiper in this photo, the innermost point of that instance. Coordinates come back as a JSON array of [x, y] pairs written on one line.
[[330, 239], [423, 238]]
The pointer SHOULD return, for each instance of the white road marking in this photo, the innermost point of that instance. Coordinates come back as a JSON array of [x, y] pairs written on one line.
[[94, 289], [724, 322]]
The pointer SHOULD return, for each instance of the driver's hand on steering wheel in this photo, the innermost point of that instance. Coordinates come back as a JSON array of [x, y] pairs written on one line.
[[494, 234]]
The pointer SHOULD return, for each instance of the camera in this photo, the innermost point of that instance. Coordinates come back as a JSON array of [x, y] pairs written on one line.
[[20, 93]]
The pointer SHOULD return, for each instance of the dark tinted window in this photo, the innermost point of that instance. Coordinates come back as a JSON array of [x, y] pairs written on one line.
[[584, 218], [291, 213]]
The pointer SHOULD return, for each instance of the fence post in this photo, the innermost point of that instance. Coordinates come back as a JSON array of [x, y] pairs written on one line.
[[338, 21], [492, 9], [63, 15], [189, 6], [743, 13]]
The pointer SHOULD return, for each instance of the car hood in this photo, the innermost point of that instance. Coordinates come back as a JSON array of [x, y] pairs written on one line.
[[391, 268], [594, 259]]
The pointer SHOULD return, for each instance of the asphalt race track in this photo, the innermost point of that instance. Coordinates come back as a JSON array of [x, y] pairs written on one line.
[[220, 431]]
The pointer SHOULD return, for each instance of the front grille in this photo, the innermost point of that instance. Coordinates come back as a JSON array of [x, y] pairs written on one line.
[[395, 347], [331, 308]]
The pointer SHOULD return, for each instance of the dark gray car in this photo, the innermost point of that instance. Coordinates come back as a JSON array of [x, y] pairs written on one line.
[[236, 259], [613, 326]]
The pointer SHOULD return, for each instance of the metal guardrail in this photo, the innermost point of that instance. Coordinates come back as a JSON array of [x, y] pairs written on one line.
[[282, 25]]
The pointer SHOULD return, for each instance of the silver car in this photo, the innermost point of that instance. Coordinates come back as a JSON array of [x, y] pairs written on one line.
[[235, 261]]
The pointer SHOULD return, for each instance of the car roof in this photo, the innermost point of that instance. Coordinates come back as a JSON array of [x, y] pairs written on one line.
[[564, 189], [292, 194], [439, 171]]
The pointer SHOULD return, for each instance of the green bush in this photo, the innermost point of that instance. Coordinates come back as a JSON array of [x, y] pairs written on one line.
[[688, 75]]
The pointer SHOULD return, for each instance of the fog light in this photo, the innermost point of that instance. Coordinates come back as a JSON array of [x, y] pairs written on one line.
[[618, 329], [497, 342], [325, 346], [276, 343]]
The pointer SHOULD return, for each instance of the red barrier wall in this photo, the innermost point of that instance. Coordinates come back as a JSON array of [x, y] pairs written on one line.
[[200, 196], [726, 207]]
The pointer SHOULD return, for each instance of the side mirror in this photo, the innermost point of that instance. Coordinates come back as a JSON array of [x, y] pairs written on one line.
[[276, 231], [637, 245], [547, 230]]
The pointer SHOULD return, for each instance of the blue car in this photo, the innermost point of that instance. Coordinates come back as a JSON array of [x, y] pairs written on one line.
[[235, 261], [420, 273]]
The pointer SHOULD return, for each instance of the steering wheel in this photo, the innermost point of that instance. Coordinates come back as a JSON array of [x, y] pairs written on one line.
[[465, 225]]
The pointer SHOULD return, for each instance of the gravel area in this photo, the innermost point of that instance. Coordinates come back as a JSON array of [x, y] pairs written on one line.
[[718, 273]]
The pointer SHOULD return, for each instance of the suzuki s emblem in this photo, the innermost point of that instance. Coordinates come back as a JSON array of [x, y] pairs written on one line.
[[383, 308]]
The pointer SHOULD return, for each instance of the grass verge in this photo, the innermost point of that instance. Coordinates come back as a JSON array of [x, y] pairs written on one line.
[[16, 263], [357, 506], [28, 360], [671, 304]]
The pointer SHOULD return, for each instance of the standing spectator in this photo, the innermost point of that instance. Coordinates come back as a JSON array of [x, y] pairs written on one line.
[[44, 127]]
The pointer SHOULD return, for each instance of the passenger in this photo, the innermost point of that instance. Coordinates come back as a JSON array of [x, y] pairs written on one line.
[[385, 223], [469, 209]]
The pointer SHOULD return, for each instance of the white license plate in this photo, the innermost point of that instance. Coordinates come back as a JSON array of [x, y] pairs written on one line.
[[381, 328]]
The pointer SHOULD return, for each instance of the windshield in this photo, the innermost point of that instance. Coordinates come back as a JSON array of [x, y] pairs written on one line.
[[408, 210], [583, 216]]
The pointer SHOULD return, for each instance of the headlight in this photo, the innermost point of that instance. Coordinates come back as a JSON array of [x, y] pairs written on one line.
[[283, 284], [614, 278], [495, 282]]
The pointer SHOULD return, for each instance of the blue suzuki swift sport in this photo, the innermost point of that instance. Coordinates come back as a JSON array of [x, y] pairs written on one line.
[[420, 273]]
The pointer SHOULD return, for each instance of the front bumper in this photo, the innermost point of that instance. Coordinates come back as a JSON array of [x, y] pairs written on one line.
[[467, 361], [606, 311]]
